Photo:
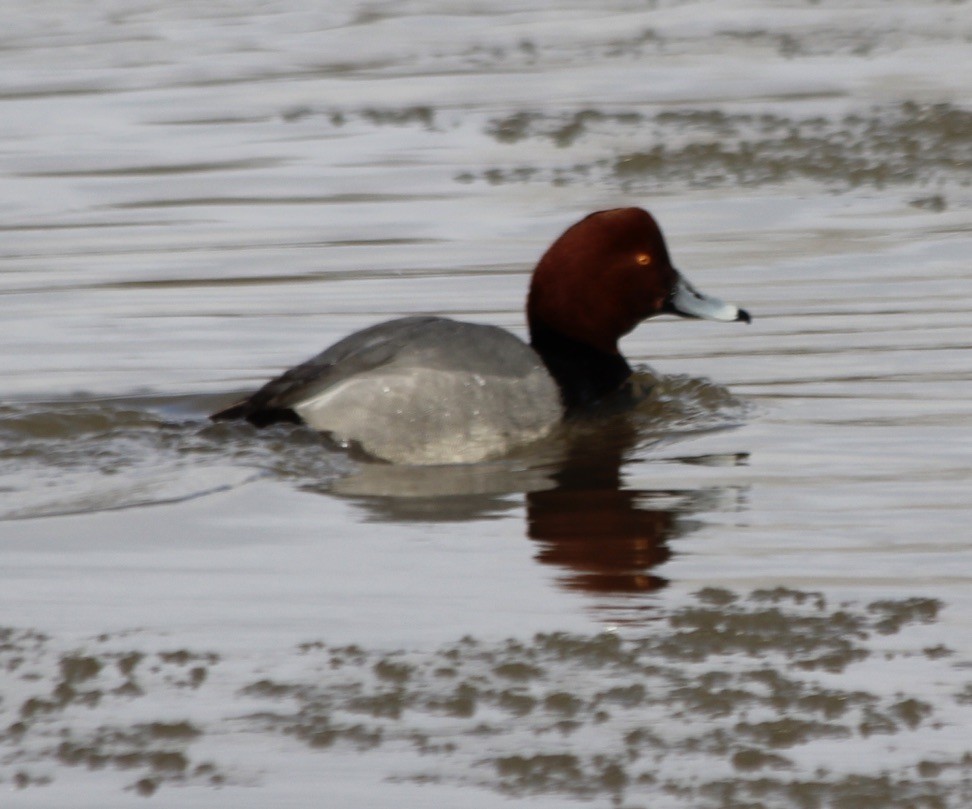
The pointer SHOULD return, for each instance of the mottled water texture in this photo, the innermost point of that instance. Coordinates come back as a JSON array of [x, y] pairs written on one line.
[[733, 700], [753, 591], [904, 144]]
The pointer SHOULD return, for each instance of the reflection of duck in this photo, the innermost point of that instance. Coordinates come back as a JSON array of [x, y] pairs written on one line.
[[601, 537], [426, 390], [599, 532], [607, 538], [606, 541]]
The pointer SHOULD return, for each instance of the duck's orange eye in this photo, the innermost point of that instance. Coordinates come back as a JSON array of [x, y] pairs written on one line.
[[643, 259]]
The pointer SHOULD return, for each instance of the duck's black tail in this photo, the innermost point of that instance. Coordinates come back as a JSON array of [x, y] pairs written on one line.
[[256, 415]]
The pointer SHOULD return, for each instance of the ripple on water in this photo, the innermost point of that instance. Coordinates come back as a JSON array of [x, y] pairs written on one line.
[[80, 457], [84, 456]]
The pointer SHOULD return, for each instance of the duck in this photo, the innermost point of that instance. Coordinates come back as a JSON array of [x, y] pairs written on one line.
[[424, 390]]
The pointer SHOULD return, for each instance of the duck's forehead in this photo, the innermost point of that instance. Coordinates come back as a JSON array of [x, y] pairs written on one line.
[[632, 216], [632, 222], [610, 232]]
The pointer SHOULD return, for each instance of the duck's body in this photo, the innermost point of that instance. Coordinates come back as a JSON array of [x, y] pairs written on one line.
[[421, 390], [417, 390]]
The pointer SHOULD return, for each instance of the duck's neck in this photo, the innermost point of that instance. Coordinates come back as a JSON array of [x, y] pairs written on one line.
[[584, 373]]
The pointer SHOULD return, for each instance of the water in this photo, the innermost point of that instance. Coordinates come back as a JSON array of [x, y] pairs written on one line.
[[755, 589]]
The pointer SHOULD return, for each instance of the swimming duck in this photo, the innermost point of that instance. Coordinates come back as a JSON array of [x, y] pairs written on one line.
[[428, 390]]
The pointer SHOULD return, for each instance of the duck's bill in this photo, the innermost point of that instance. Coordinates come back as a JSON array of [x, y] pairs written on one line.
[[687, 301]]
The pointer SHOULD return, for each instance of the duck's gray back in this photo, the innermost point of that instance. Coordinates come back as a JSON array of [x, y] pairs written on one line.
[[422, 390]]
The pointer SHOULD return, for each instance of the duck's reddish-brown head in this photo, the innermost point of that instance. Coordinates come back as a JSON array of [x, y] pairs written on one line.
[[605, 275]]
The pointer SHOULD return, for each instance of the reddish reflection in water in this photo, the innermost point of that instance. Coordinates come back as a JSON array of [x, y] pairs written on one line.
[[601, 536], [605, 537]]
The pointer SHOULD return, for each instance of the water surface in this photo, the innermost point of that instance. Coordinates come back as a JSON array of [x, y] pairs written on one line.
[[754, 589]]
